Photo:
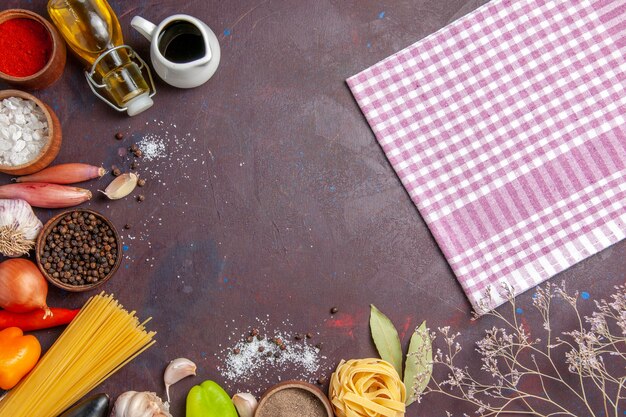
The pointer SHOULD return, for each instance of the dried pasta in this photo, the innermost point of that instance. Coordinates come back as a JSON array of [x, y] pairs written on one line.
[[98, 342], [367, 388]]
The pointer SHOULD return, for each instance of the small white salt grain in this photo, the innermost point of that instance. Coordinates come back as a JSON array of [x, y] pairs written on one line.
[[23, 131]]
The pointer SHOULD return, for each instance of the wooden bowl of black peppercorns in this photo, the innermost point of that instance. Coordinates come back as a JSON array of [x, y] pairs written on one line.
[[78, 250]]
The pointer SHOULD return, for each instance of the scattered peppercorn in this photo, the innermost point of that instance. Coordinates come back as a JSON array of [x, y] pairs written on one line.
[[319, 346], [141, 198], [260, 337], [298, 336], [119, 136], [138, 153], [81, 249], [278, 341], [115, 171], [277, 355], [282, 347], [127, 226], [268, 354], [261, 348], [249, 339], [134, 165], [133, 148], [334, 310], [236, 351], [254, 332], [321, 380], [141, 182], [309, 335]]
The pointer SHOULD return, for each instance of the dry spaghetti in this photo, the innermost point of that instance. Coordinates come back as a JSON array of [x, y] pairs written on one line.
[[98, 342], [367, 387]]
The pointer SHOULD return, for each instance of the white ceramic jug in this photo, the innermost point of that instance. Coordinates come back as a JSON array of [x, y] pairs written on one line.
[[184, 51]]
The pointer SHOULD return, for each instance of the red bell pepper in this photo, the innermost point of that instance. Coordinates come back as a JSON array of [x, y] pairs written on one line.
[[34, 320]]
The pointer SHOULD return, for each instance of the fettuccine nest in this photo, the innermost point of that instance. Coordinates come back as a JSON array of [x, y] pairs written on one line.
[[366, 388]]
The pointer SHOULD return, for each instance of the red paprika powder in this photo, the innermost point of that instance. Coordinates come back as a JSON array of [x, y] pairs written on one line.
[[25, 47]]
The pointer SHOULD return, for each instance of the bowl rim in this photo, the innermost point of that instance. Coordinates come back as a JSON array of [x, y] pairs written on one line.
[[46, 111], [295, 384], [45, 231], [28, 14]]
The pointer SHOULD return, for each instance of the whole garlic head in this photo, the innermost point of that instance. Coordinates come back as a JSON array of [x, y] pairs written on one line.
[[140, 404], [19, 227]]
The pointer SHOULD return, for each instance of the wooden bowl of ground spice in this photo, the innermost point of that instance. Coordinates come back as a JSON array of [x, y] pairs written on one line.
[[32, 53], [78, 250], [30, 133], [294, 398]]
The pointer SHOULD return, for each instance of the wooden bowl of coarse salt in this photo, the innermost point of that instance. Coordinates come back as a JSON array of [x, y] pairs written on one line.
[[294, 398], [30, 133]]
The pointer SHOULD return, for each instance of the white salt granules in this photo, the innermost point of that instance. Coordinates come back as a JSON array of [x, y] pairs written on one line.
[[257, 363], [152, 147], [23, 131]]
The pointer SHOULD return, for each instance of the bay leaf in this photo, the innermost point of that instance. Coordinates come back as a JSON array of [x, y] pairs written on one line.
[[419, 360], [386, 339]]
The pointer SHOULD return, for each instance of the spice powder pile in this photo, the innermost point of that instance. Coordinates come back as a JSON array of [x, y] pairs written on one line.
[[25, 47], [292, 402]]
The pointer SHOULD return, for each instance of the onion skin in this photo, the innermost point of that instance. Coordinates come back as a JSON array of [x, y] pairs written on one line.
[[65, 174], [39, 194], [22, 287]]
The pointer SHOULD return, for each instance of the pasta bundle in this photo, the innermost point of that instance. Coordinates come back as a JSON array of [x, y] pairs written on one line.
[[367, 387], [98, 342]]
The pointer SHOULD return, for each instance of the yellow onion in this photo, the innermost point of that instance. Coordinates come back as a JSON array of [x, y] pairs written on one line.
[[22, 287], [367, 387]]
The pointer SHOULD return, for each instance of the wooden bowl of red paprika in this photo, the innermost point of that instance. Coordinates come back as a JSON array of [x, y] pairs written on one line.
[[32, 53]]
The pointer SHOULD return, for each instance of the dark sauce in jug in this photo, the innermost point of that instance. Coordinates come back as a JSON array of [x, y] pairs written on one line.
[[181, 42]]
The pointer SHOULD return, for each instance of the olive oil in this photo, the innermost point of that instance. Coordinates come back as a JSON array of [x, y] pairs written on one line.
[[93, 33]]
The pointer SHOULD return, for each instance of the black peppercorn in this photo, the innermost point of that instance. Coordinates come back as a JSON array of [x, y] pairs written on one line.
[[74, 251]]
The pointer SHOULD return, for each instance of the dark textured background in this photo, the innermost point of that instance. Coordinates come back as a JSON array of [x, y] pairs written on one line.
[[276, 198]]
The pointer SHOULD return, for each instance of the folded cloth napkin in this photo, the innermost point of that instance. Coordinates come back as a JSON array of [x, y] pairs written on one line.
[[507, 130]]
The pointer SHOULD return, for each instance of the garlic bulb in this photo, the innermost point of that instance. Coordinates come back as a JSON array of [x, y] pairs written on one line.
[[245, 403], [177, 369], [140, 404], [19, 228]]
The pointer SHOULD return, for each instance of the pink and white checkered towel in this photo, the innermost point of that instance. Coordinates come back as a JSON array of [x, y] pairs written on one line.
[[507, 130]]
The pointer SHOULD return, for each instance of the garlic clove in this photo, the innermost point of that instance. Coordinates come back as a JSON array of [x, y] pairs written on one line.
[[177, 369], [121, 186], [245, 403]]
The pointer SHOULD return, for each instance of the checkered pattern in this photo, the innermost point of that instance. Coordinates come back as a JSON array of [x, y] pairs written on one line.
[[507, 130]]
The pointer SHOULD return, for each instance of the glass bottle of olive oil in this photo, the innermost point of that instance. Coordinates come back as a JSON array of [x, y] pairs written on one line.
[[93, 33]]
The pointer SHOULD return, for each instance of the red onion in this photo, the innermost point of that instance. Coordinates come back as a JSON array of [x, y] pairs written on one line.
[[39, 194], [65, 174]]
